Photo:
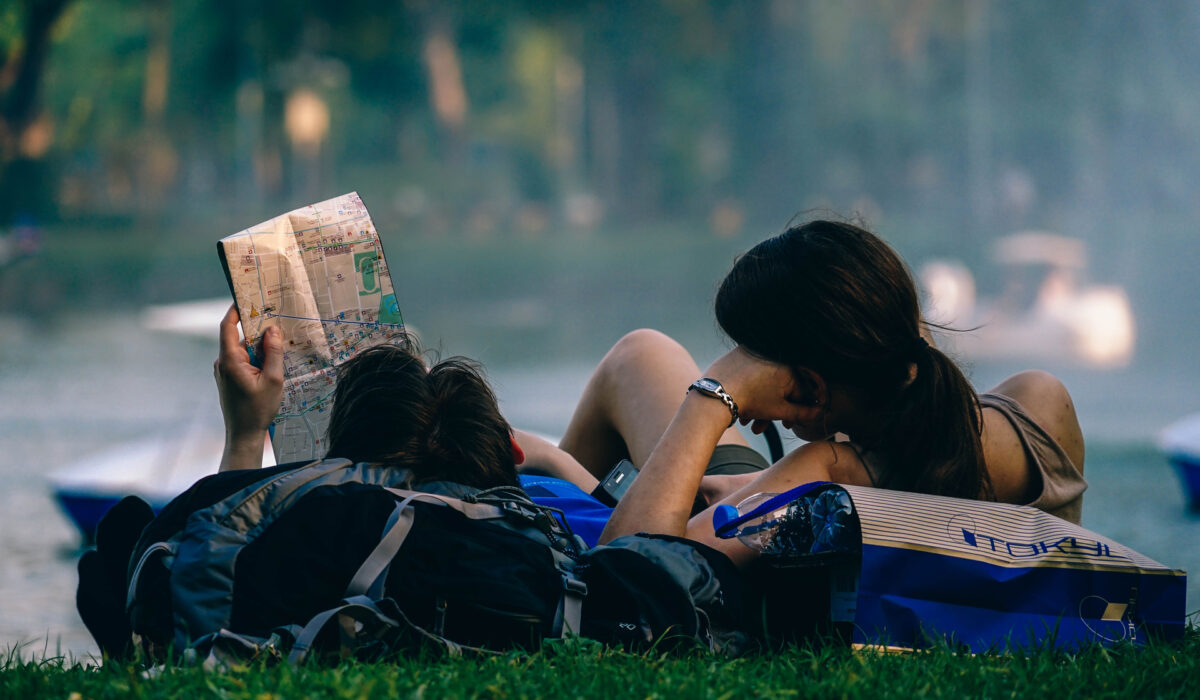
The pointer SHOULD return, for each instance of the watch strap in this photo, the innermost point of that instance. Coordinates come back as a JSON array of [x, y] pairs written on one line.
[[711, 387]]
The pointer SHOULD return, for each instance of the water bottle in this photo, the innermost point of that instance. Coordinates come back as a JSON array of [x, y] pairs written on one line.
[[804, 520], [773, 525]]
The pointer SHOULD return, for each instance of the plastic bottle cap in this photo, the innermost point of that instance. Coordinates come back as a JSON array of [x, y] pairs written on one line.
[[724, 514]]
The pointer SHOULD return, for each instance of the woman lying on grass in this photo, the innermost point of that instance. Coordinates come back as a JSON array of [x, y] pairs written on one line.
[[829, 341]]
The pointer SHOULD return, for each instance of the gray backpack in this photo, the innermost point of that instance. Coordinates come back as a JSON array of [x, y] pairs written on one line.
[[348, 559], [190, 582]]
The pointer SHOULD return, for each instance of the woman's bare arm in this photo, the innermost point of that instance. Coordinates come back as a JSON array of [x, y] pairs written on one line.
[[661, 498]]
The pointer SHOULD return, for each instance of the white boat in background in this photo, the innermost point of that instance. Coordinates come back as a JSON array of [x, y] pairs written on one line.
[[1180, 441], [198, 318], [155, 469], [1046, 312]]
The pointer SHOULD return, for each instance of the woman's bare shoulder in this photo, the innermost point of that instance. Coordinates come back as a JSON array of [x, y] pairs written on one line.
[[1046, 399], [1036, 390]]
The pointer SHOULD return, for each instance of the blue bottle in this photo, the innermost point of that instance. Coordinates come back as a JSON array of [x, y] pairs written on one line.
[[814, 517]]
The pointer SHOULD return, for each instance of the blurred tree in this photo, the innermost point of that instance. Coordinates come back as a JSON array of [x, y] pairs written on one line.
[[953, 121], [23, 139]]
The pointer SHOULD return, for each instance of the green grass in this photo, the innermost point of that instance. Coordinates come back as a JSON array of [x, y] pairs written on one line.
[[588, 670]]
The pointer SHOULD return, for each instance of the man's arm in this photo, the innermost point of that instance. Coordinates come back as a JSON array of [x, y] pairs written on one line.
[[545, 458], [249, 396]]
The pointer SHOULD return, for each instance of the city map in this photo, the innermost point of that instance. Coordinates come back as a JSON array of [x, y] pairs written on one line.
[[318, 273]]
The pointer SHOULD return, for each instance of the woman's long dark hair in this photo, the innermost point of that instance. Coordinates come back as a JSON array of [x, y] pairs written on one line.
[[839, 301]]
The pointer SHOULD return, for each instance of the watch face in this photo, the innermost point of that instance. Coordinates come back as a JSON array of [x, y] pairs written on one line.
[[705, 384]]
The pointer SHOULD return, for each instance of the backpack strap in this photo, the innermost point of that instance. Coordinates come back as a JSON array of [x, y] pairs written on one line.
[[474, 511], [308, 635], [370, 618], [167, 548], [369, 578], [372, 574], [568, 619]]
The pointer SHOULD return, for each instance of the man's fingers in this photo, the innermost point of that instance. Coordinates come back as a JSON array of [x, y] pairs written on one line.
[[230, 338], [272, 344]]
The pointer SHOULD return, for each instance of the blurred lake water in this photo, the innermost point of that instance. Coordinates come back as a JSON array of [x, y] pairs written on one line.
[[78, 383]]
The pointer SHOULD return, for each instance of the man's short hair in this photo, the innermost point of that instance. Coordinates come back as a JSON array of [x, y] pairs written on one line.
[[442, 422]]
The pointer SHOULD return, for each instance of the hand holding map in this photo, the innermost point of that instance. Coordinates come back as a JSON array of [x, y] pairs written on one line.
[[319, 275]]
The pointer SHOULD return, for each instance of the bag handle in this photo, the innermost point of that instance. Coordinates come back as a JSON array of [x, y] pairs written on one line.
[[131, 593]]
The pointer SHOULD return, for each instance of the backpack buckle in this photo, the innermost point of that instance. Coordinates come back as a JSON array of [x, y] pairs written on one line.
[[569, 619], [575, 586]]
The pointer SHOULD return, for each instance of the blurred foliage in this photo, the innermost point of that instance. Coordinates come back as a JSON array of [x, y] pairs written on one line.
[[943, 122]]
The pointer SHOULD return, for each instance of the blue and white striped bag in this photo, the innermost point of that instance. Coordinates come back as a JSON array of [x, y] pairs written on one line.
[[992, 576], [979, 576]]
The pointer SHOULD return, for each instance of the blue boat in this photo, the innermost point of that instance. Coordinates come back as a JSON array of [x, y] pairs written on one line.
[[155, 469], [1180, 441]]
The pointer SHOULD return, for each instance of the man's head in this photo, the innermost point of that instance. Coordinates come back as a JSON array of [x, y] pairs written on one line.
[[442, 422]]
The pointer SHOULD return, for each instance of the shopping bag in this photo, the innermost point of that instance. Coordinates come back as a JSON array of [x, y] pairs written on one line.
[[989, 576]]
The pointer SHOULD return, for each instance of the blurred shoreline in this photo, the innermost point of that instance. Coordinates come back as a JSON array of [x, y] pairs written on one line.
[[88, 381]]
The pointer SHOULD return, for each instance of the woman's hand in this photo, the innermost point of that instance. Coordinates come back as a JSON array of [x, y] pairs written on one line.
[[249, 396], [763, 391]]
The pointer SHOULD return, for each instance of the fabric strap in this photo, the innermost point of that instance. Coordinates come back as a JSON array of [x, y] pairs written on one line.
[[356, 609], [568, 619], [369, 578]]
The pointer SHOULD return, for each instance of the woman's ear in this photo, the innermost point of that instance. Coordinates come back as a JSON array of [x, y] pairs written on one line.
[[518, 453], [811, 389]]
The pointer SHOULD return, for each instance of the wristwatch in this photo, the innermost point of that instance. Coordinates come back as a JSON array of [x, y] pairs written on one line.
[[711, 387]]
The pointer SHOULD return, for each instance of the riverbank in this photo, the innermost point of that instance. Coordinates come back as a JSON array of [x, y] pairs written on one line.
[[588, 670]]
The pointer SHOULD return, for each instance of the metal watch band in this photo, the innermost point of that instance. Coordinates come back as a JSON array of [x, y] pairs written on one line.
[[711, 387]]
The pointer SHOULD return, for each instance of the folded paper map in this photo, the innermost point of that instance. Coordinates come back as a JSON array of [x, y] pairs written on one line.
[[318, 273]]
